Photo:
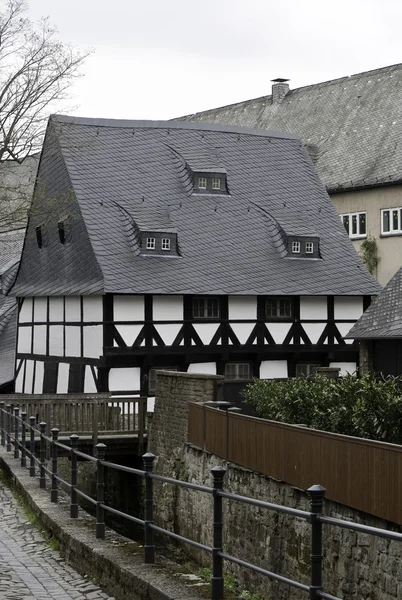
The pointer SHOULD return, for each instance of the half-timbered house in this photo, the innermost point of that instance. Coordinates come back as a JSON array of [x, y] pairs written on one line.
[[186, 246]]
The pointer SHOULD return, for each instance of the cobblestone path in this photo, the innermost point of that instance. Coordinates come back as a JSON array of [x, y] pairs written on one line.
[[29, 569]]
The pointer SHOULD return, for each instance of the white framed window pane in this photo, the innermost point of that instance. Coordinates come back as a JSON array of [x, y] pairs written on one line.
[[362, 223], [385, 221], [345, 220], [296, 247], [395, 220], [202, 183], [309, 247], [165, 244], [235, 371], [354, 224], [150, 243], [216, 183]]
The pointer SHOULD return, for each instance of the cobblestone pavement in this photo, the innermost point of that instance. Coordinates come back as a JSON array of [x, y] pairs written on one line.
[[29, 569]]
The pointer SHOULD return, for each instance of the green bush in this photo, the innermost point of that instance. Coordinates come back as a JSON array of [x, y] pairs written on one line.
[[359, 406]]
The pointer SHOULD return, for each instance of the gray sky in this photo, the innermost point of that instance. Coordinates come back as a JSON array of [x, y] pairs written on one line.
[[159, 59]]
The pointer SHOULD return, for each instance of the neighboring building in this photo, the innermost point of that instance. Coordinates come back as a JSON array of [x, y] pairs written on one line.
[[379, 331], [173, 245], [16, 187], [352, 128]]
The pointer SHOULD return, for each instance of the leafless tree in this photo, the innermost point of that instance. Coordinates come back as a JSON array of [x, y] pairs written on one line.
[[36, 73]]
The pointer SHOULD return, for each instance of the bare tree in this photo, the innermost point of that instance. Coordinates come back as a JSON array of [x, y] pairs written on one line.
[[36, 73]]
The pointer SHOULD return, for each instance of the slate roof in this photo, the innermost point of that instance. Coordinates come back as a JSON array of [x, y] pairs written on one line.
[[352, 126], [123, 171], [383, 319], [8, 335]]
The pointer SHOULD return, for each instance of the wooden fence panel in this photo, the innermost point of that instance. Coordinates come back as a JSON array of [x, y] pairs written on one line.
[[196, 423], [363, 474]]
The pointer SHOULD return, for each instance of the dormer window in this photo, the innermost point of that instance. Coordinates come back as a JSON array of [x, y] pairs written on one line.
[[300, 246], [150, 243], [309, 247], [210, 182], [216, 183], [296, 247], [165, 244], [202, 183]]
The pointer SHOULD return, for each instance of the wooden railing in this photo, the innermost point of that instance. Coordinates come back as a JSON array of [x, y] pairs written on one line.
[[363, 474], [85, 414]]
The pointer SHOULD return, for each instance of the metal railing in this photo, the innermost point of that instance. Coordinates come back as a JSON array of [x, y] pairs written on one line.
[[13, 433]]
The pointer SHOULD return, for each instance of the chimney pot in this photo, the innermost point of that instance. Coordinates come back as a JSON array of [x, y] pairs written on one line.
[[279, 89]]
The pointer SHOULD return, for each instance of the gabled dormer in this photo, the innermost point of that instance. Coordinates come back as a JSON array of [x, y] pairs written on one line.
[[209, 181], [159, 243], [300, 246]]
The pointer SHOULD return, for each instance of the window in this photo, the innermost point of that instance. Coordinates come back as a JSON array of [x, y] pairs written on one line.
[[152, 377], [202, 183], [238, 371], [150, 243], [206, 308], [296, 247], [165, 244], [309, 247], [278, 308], [62, 232], [355, 224], [216, 183], [39, 239], [306, 369], [391, 221]]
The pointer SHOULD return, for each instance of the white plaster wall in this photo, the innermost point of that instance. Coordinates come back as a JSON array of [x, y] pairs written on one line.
[[242, 331], [128, 308], [40, 309], [129, 333], [344, 328], [25, 340], [168, 308], [39, 372], [313, 307], [206, 331], [29, 371], [62, 380], [40, 337], [272, 369], [73, 341], [25, 315], [73, 308], [89, 383], [346, 367], [348, 307], [93, 341], [56, 340], [279, 331], [93, 308], [19, 380], [168, 332], [242, 307], [124, 379], [207, 368], [56, 311], [314, 331]]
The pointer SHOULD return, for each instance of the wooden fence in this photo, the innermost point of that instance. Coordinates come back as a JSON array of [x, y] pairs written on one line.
[[363, 474], [85, 414]]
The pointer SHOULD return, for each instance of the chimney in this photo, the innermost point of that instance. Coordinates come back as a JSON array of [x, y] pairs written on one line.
[[279, 89]]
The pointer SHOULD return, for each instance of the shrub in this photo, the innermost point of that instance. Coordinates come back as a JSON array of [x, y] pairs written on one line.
[[359, 406]]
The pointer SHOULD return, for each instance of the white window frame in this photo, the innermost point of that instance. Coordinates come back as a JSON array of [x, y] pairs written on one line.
[[392, 229], [165, 244], [216, 183], [201, 181], [309, 247], [151, 243], [349, 230], [295, 247], [236, 375]]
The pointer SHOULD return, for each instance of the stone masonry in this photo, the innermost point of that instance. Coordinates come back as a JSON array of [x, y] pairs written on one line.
[[356, 566]]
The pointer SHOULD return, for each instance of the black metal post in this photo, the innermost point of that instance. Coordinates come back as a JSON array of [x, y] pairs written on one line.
[[100, 491], [24, 439], [54, 490], [32, 425], [8, 434], [74, 500], [42, 473], [16, 426], [2, 424], [218, 473], [149, 544], [317, 493]]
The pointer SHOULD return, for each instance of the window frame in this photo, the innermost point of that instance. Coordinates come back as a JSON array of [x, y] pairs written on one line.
[[278, 316], [296, 244], [165, 244], [357, 214], [237, 365], [205, 300], [204, 179], [314, 365], [151, 243], [309, 248], [392, 230], [213, 183]]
